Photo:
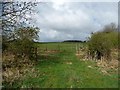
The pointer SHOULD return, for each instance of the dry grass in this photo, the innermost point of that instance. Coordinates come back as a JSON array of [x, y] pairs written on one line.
[[104, 65], [14, 70]]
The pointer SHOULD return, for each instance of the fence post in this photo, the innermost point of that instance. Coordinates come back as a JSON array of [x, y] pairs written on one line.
[[76, 48], [58, 47], [46, 48]]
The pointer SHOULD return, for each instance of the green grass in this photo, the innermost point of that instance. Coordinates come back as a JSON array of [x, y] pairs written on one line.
[[54, 72]]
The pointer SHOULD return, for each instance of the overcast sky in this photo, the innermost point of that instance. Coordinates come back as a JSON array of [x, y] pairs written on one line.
[[59, 21]]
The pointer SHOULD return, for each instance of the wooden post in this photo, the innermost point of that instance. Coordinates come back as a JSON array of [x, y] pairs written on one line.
[[89, 55], [76, 48], [46, 48], [95, 57], [58, 47]]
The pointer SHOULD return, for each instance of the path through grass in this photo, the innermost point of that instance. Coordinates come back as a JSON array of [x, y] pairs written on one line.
[[65, 70]]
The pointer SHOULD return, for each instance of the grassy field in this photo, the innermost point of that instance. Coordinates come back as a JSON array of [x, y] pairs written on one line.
[[62, 69]]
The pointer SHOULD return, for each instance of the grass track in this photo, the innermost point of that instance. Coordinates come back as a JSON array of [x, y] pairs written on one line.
[[55, 71]]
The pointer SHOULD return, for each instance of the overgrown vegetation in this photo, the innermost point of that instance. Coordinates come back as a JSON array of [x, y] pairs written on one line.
[[23, 43], [62, 69], [17, 40], [101, 43], [55, 67]]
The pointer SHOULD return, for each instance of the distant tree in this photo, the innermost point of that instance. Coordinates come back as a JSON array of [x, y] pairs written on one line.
[[112, 34], [110, 28]]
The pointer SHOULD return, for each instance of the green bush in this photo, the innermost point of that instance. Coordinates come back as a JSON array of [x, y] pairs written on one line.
[[23, 43], [101, 43], [21, 48]]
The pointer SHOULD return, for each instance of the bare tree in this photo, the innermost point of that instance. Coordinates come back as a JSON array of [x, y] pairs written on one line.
[[110, 27], [14, 15]]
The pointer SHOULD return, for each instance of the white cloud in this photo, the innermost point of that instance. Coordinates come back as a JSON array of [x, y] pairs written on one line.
[[68, 0], [73, 20]]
